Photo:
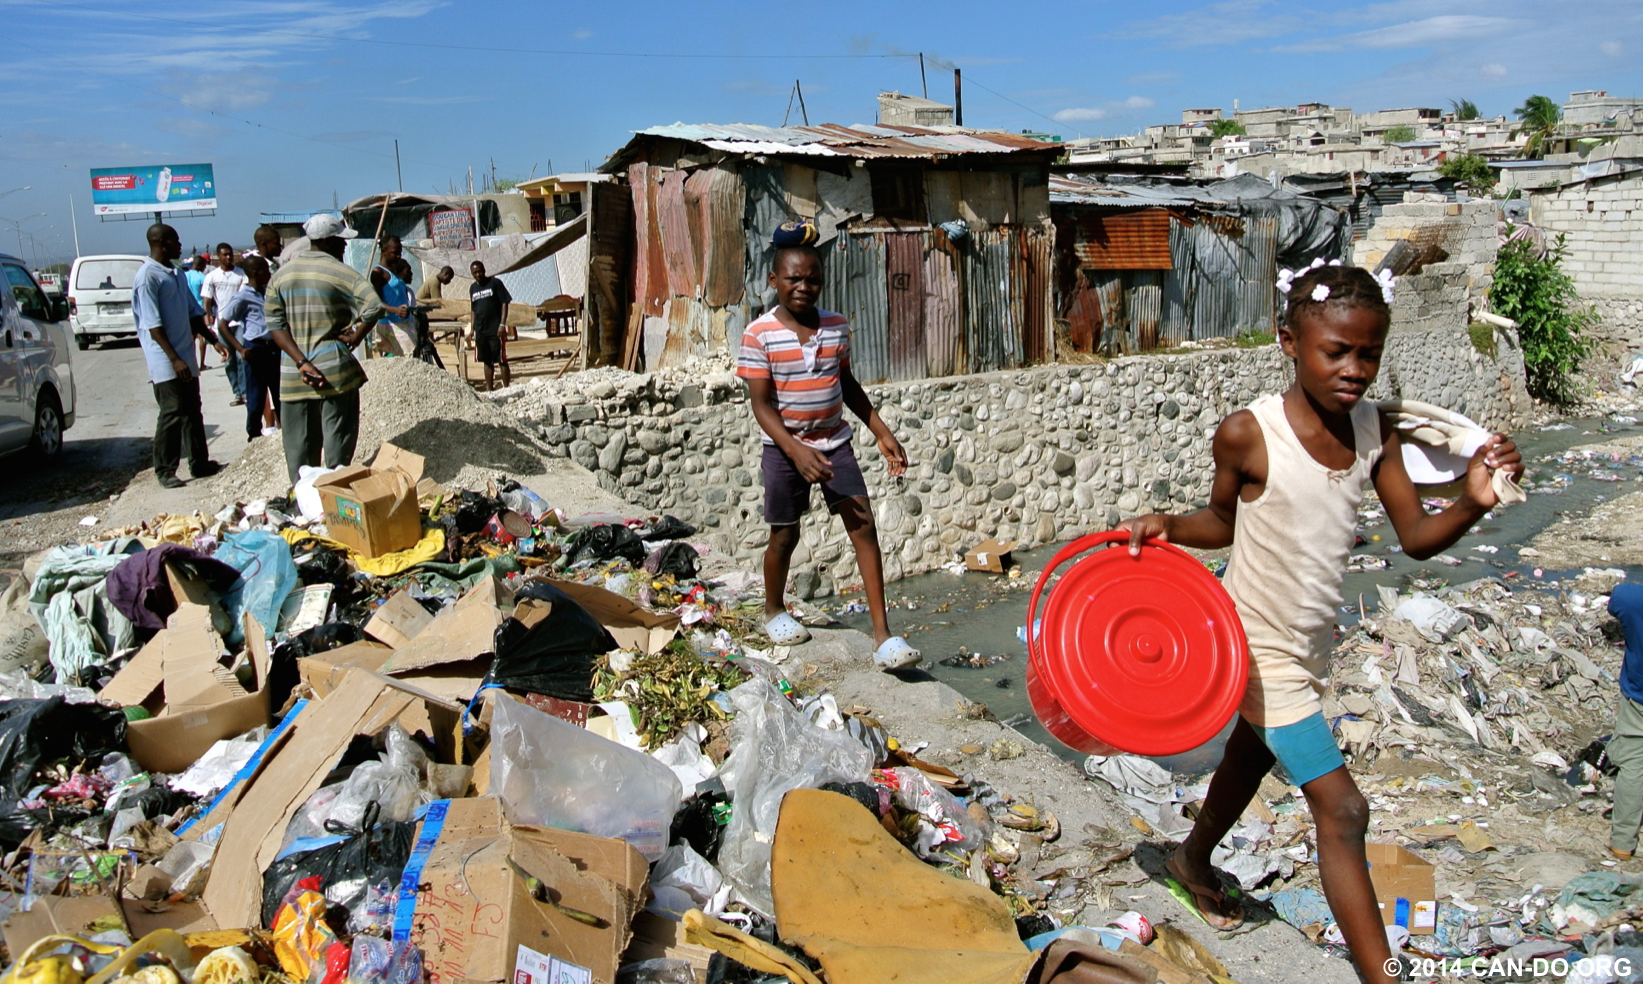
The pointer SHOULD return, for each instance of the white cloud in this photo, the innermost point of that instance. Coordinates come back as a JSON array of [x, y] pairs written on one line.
[[582, 35], [424, 100], [218, 92], [1492, 70], [1080, 114], [1139, 102], [1413, 34], [1152, 78], [1610, 48], [1231, 22]]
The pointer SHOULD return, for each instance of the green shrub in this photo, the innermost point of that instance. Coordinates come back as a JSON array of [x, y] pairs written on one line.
[[1402, 133], [1470, 168], [1227, 128], [1541, 298]]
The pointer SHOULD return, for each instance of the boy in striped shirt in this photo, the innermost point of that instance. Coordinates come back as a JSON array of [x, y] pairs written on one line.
[[796, 361]]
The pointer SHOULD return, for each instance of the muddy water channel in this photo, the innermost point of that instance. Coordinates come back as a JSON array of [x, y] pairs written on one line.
[[970, 626]]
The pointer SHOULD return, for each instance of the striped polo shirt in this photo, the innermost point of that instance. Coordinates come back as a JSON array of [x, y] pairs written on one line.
[[316, 297], [809, 394]]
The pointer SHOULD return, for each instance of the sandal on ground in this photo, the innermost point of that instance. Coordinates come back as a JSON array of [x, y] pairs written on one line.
[[1190, 896], [785, 630], [896, 654]]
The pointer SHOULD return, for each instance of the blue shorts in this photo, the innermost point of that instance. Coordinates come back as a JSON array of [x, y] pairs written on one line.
[[1306, 749], [787, 494]]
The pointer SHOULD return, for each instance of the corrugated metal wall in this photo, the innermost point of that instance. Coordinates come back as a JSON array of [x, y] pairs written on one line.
[[992, 335], [943, 309], [855, 287], [904, 280]]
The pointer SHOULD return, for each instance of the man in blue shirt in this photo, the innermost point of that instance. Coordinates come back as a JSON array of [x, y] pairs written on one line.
[[168, 319], [1626, 746]]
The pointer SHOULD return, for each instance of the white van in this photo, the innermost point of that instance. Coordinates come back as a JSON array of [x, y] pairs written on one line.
[[99, 297]]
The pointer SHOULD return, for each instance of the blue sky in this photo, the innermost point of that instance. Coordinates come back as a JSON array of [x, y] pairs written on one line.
[[295, 101]]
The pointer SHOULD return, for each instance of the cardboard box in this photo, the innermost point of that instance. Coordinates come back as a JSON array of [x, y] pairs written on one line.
[[990, 556], [398, 620], [257, 811], [194, 700], [475, 908], [464, 631], [373, 509], [632, 626], [323, 672], [1405, 888], [82, 915]]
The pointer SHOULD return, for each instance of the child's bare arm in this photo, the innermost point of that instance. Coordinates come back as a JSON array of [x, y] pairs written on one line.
[[811, 464], [1425, 535], [1236, 447]]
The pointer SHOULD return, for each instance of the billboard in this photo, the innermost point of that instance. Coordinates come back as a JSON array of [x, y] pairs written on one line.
[[162, 188]]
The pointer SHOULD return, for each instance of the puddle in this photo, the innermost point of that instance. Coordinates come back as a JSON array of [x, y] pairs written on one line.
[[982, 614]]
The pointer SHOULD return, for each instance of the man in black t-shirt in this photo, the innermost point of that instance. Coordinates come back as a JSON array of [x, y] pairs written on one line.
[[489, 298]]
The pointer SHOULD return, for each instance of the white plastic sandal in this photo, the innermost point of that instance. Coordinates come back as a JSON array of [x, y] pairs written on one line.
[[785, 630], [896, 654]]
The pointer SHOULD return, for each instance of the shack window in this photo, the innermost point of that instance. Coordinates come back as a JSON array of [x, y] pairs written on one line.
[[898, 193]]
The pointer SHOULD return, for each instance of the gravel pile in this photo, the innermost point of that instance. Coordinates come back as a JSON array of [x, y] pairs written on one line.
[[466, 439]]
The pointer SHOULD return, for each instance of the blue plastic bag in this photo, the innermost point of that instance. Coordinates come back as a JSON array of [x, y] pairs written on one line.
[[267, 575]]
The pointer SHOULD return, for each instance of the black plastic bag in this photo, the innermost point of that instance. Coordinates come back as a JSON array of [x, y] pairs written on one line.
[[607, 541], [36, 733], [697, 823], [347, 870], [668, 528], [282, 669], [555, 656], [677, 558], [475, 510]]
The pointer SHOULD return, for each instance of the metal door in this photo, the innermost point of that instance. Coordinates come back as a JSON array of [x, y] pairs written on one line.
[[904, 278]]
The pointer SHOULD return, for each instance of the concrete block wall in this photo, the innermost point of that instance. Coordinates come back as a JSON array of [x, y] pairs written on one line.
[[1467, 231], [1036, 455], [1602, 221]]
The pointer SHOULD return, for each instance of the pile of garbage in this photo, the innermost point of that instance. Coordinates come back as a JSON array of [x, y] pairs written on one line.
[[380, 731], [1473, 718]]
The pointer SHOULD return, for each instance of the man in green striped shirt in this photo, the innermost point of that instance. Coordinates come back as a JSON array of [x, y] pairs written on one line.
[[318, 308]]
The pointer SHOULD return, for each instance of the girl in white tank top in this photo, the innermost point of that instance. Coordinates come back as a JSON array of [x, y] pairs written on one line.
[[1289, 475]]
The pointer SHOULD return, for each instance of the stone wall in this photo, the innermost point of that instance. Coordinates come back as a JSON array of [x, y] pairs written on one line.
[[1603, 220], [1036, 455]]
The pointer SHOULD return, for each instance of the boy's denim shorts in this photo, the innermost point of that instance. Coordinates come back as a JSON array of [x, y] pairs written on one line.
[[787, 494]]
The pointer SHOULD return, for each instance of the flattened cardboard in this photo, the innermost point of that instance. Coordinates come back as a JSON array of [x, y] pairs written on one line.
[[196, 702], [323, 672], [1405, 888], [475, 910], [398, 620], [193, 591], [81, 915], [991, 556], [373, 509], [256, 817], [656, 938], [463, 631]]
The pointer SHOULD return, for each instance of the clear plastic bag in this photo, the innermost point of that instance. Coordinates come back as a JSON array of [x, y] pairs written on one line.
[[371, 960], [394, 782], [188, 863], [952, 827], [774, 749], [662, 970], [683, 880], [552, 774]]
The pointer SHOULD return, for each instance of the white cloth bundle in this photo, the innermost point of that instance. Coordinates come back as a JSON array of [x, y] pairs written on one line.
[[1439, 444]]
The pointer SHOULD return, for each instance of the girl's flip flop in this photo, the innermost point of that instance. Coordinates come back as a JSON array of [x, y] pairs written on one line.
[[785, 630], [896, 654]]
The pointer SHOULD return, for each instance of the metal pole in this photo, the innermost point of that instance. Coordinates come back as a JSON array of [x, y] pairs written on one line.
[[397, 172], [75, 219], [958, 97], [922, 81], [802, 111]]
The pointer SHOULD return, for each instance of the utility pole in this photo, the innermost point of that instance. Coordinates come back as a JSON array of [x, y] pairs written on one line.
[[75, 219], [802, 111], [958, 97], [922, 81], [397, 172]]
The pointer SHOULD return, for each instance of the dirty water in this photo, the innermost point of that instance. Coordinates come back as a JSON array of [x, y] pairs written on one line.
[[946, 615]]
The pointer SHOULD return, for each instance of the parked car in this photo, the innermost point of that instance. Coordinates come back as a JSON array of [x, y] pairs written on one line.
[[36, 364], [99, 297]]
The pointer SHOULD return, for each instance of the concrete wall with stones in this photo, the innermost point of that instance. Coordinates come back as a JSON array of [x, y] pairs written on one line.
[[1603, 220], [1466, 231], [1036, 455]]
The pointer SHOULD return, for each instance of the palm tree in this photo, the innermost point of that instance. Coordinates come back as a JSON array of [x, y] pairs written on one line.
[[1465, 110], [1537, 118]]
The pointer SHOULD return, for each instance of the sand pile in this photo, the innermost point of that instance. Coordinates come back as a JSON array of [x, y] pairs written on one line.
[[466, 439]]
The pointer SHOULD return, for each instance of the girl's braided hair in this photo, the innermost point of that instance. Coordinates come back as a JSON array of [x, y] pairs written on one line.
[[1349, 285]]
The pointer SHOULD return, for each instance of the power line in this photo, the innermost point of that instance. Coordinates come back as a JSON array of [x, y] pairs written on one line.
[[238, 29], [972, 80]]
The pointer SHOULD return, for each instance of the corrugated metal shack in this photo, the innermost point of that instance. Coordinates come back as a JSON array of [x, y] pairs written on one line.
[[936, 243], [1148, 262]]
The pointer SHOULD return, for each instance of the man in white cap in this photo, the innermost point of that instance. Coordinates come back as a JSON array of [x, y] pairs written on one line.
[[318, 308]]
